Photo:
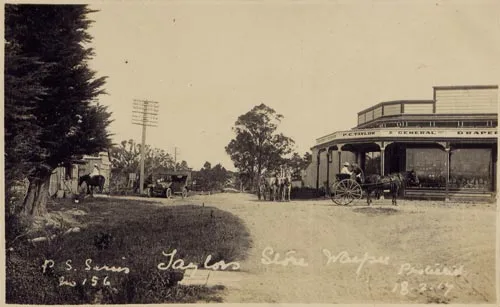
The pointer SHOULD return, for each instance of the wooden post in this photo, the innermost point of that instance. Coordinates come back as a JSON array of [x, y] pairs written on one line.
[[382, 161], [328, 155], [339, 151], [143, 156], [317, 170], [448, 160], [494, 169]]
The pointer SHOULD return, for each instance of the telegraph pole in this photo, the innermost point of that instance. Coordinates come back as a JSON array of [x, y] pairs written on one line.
[[144, 113], [175, 159]]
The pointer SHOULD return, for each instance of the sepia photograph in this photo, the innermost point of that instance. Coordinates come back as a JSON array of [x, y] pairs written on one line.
[[250, 152]]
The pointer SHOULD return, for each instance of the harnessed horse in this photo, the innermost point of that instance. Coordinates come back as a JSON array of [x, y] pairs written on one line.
[[271, 186], [275, 188], [393, 182], [286, 187], [94, 181], [263, 188]]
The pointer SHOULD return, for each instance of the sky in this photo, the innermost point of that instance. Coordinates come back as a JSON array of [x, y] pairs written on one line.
[[317, 63]]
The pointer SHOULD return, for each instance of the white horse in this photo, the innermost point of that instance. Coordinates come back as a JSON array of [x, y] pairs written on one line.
[[271, 185], [275, 188]]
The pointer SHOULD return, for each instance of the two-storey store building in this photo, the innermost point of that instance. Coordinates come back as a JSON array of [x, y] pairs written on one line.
[[450, 141]]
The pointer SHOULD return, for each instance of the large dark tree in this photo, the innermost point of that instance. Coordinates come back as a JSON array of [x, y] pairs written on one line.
[[257, 146], [51, 112], [23, 90]]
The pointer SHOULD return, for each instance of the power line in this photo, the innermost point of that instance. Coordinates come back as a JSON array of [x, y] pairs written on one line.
[[144, 113]]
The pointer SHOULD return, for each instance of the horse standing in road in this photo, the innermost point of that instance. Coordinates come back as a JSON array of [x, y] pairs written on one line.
[[273, 184], [263, 188], [266, 188], [94, 181], [277, 187], [392, 182], [286, 187]]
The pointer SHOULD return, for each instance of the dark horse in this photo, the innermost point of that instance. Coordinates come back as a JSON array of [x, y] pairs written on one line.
[[94, 181], [392, 182]]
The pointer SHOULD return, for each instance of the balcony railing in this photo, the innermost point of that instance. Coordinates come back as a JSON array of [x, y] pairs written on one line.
[[391, 108]]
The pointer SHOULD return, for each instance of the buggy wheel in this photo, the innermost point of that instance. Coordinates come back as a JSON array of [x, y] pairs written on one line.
[[168, 193], [184, 193], [345, 191]]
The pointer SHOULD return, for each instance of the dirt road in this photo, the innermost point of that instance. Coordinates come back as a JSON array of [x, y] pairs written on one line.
[[418, 252]]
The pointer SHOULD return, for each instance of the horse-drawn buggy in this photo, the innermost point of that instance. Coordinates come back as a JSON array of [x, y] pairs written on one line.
[[170, 183], [348, 188]]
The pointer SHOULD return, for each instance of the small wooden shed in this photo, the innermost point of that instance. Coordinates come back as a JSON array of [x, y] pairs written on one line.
[[64, 179]]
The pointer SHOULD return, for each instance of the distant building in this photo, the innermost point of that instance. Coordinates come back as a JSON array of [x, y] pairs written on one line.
[[450, 141]]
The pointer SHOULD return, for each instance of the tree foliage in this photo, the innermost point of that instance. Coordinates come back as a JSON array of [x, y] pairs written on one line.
[[297, 163], [51, 112], [126, 157], [211, 179], [258, 147], [182, 166]]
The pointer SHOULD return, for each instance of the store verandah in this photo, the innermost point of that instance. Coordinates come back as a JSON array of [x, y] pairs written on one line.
[[466, 165]]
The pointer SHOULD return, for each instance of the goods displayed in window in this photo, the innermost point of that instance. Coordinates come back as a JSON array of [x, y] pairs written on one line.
[[471, 169], [430, 165]]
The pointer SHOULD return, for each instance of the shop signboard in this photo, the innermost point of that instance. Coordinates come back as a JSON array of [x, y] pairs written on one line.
[[410, 133]]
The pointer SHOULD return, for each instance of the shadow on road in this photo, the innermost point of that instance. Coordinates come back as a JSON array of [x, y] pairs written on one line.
[[372, 211]]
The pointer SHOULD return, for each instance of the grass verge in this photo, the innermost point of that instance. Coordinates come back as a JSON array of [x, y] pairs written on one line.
[[125, 235]]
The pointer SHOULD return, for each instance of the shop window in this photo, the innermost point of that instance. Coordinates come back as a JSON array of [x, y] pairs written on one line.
[[470, 169], [430, 166]]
